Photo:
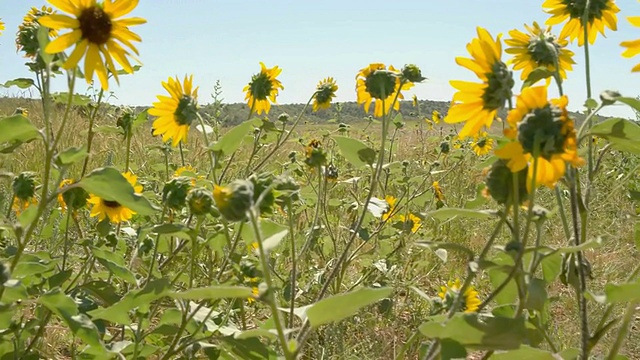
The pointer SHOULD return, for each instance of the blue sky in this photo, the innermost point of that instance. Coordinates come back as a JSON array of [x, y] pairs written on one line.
[[310, 40]]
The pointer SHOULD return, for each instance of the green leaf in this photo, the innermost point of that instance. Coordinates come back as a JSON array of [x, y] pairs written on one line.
[[232, 140], [481, 332], [272, 241], [537, 295], [447, 213], [621, 133], [551, 267], [590, 104], [213, 292], [355, 151], [119, 312], [524, 353], [109, 184], [338, 307], [622, 293], [497, 276], [124, 72], [28, 216], [450, 350], [76, 99], [71, 156], [110, 261], [168, 229], [17, 128], [43, 41], [140, 119], [80, 324], [22, 83], [632, 102], [536, 75]]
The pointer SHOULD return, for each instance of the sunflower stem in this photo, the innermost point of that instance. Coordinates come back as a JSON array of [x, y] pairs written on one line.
[[90, 133]]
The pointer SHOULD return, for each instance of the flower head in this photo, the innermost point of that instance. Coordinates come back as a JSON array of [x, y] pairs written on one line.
[[391, 201], [411, 222], [542, 130], [262, 90], [233, 201], [27, 36], [449, 292], [325, 92], [314, 154], [632, 46], [113, 210], [437, 191], [601, 13], [200, 201], [477, 104], [414, 101], [436, 117], [73, 198], [482, 144], [98, 33], [176, 113], [376, 82], [538, 48]]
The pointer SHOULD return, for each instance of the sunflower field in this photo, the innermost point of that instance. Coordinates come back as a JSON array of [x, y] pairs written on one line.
[[503, 228]]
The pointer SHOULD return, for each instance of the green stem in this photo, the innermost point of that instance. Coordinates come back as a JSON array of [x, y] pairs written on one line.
[[212, 159], [128, 155], [194, 250], [624, 329], [90, 133], [293, 263], [182, 152]]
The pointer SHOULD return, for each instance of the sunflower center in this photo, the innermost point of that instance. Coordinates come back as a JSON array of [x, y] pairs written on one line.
[[481, 143], [186, 111], [380, 84], [111, 204], [325, 93], [544, 51], [499, 84], [95, 25], [576, 8], [261, 86], [544, 126]]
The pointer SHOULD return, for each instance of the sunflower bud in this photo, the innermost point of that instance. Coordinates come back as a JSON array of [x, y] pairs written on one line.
[[314, 154], [287, 189], [412, 73], [263, 183], [235, 200], [174, 193], [500, 183], [284, 117], [445, 147], [125, 122], [24, 187], [199, 201]]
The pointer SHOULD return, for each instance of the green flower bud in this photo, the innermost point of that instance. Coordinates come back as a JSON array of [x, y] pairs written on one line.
[[284, 117], [24, 187], [412, 73], [445, 147], [174, 193], [261, 183], [199, 201], [235, 200], [287, 189]]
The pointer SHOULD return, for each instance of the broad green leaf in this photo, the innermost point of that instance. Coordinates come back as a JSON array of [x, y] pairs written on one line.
[[167, 229], [25, 269], [450, 349], [59, 278], [551, 267], [524, 353], [270, 334], [17, 128], [272, 241], [213, 292], [109, 261], [80, 324], [109, 184], [622, 293], [28, 216], [140, 119], [102, 290], [621, 133], [355, 151], [536, 75], [537, 295], [633, 102], [232, 140], [497, 276], [481, 332], [76, 99], [119, 312], [43, 41], [268, 228], [22, 83], [124, 72], [14, 290], [338, 307], [71, 155], [447, 213]]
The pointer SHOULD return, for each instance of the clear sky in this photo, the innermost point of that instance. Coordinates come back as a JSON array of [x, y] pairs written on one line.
[[310, 40]]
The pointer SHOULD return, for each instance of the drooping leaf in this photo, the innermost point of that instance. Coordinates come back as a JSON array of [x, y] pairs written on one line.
[[76, 99], [71, 155], [119, 312], [620, 293], [17, 128], [213, 292], [621, 133], [232, 140], [536, 75], [22, 83], [355, 151], [110, 261], [109, 184], [632, 102], [338, 307], [272, 241], [43, 41]]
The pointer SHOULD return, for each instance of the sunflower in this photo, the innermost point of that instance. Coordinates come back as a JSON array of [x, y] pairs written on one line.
[[375, 82], [27, 36], [391, 201], [176, 113], [478, 104], [538, 48], [325, 92], [542, 130], [61, 202], [97, 33], [482, 144], [633, 46], [414, 101], [437, 191], [20, 205], [112, 209], [449, 292], [262, 89], [436, 117], [601, 13], [411, 222]]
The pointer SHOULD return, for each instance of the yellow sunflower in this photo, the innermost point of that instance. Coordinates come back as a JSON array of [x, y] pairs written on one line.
[[98, 33], [538, 48], [112, 209], [61, 202], [547, 123], [325, 92], [437, 191], [27, 36], [411, 222], [262, 90], [601, 13], [477, 104], [633, 46], [436, 117], [376, 82], [471, 297], [20, 205], [391, 201], [482, 144], [177, 112], [414, 101]]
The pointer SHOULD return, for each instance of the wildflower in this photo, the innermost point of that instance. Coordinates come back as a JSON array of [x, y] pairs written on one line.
[[185, 171], [176, 113], [325, 92], [20, 205], [262, 88], [391, 201], [437, 191], [601, 13], [414, 101], [449, 292], [97, 33], [24, 192], [538, 48], [542, 130], [499, 183], [411, 74], [27, 36], [200, 201], [376, 82], [233, 201], [429, 124], [477, 104], [174, 192], [482, 144], [113, 210], [633, 46], [314, 154], [436, 117], [411, 222], [74, 198]]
